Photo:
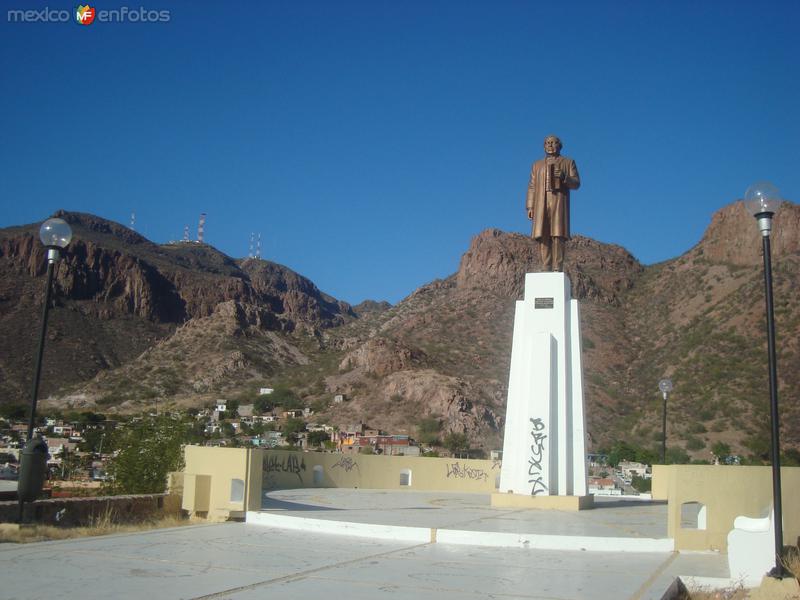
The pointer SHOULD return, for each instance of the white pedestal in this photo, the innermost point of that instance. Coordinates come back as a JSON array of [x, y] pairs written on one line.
[[544, 445]]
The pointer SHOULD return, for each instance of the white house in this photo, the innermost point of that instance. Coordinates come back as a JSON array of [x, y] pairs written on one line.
[[629, 469]]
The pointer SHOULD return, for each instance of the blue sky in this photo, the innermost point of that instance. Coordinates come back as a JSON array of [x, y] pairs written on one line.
[[368, 142]]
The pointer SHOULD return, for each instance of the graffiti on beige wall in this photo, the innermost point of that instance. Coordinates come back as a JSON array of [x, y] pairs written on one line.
[[347, 464], [285, 464], [462, 471], [537, 457]]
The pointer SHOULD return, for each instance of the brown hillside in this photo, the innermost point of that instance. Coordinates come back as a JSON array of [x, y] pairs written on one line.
[[139, 323], [118, 293]]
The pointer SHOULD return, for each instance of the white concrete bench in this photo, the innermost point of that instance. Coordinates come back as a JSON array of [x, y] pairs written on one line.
[[751, 548]]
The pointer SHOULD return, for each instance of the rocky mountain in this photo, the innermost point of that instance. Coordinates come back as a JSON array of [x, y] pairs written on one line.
[[118, 294], [138, 323]]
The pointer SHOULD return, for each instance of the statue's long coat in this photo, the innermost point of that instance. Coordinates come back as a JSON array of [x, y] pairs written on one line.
[[558, 200]]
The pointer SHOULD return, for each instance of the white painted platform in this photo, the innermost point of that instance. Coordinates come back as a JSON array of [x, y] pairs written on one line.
[[466, 519]]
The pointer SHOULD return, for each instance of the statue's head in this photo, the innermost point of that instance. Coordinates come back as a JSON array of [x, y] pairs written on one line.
[[552, 145]]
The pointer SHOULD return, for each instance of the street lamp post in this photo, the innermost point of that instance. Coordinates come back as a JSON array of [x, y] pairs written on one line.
[[762, 199], [665, 385], [55, 234]]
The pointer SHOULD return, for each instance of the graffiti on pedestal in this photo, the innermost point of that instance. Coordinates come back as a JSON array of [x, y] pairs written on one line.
[[536, 458]]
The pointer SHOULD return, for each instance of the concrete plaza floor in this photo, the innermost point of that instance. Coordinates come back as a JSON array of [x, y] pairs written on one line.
[[242, 561], [624, 524]]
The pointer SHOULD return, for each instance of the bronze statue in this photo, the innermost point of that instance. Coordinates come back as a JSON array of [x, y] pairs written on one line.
[[552, 177]]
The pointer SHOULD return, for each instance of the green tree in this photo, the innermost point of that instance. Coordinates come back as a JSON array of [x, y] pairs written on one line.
[[90, 418], [285, 397], [263, 403], [70, 463], [231, 409], [760, 445], [149, 449], [290, 429], [791, 458], [456, 442], [677, 456], [96, 439], [15, 412], [721, 449], [640, 484], [318, 438], [625, 451], [621, 451], [195, 431], [428, 430]]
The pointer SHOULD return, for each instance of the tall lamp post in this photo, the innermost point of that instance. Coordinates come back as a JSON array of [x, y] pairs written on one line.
[[665, 385], [55, 235], [762, 199]]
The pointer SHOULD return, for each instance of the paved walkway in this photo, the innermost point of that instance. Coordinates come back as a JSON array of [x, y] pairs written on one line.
[[244, 561]]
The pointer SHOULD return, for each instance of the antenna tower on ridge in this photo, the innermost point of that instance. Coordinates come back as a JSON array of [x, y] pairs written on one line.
[[201, 228], [185, 233], [252, 236], [258, 247], [133, 221]]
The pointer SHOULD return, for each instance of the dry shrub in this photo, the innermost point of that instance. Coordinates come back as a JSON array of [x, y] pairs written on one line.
[[103, 524], [791, 561], [732, 593]]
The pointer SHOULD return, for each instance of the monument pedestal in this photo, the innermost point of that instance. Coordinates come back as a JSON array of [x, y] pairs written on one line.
[[544, 446]]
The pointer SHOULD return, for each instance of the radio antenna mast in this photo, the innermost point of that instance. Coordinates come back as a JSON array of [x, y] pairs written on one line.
[[201, 228]]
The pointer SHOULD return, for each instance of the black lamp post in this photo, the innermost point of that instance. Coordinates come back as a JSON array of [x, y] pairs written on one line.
[[665, 385], [55, 235], [762, 199]]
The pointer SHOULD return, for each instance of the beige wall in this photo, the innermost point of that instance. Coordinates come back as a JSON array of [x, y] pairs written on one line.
[[209, 472], [727, 492], [287, 469], [208, 482]]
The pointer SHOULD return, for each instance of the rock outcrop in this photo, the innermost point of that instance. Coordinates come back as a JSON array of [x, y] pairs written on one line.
[[497, 261], [733, 236]]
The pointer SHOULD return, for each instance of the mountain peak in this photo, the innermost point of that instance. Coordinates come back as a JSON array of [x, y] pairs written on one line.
[[498, 261], [733, 236]]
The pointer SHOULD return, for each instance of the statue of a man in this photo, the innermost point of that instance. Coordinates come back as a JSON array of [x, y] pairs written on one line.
[[552, 177]]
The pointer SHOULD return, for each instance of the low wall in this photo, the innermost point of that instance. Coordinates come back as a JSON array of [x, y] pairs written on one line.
[[88, 511], [223, 483], [726, 492], [286, 470]]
